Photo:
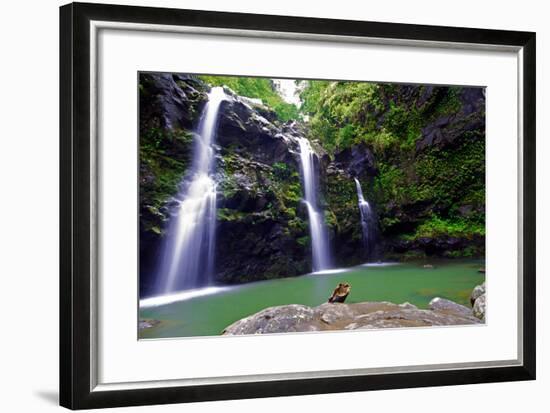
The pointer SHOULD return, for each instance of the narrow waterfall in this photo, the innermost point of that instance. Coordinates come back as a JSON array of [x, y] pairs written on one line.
[[188, 259], [319, 238], [368, 220]]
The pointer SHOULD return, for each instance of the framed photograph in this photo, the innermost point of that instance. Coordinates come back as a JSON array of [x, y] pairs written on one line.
[[257, 206]]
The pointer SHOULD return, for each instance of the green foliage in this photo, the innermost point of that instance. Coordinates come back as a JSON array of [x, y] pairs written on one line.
[[340, 113], [164, 156], [281, 170], [258, 88], [460, 228], [226, 214], [304, 241], [453, 177]]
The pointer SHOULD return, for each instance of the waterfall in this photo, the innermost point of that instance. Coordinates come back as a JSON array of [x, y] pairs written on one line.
[[318, 232], [188, 258], [368, 219]]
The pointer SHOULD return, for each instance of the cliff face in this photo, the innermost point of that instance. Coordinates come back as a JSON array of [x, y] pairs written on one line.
[[262, 228], [427, 195], [423, 173]]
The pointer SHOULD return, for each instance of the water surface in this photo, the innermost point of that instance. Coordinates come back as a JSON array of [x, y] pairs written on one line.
[[203, 315]]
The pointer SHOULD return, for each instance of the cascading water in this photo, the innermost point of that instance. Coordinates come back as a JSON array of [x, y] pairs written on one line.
[[368, 220], [319, 238], [189, 249]]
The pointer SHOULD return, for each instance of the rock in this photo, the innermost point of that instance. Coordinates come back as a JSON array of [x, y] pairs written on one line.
[[331, 313], [446, 130], [408, 306], [144, 324], [478, 291], [288, 318], [442, 304], [176, 100], [326, 317], [480, 307], [428, 266], [356, 161]]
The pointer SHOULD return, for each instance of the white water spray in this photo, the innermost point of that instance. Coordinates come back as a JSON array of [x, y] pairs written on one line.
[[368, 223], [319, 238], [189, 250]]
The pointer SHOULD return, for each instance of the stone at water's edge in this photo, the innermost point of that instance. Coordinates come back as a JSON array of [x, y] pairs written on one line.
[[478, 291], [144, 324], [480, 307], [366, 315]]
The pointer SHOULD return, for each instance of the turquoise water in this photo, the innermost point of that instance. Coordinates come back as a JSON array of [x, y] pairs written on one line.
[[210, 314]]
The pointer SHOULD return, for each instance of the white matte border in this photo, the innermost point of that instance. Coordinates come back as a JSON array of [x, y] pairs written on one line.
[[122, 53]]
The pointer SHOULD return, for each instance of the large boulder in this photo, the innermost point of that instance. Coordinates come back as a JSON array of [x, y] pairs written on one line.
[[479, 308], [366, 315]]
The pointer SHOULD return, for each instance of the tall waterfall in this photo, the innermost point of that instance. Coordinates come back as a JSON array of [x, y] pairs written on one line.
[[188, 258], [368, 220], [319, 238]]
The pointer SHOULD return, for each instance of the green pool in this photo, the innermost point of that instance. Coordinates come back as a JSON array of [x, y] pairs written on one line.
[[209, 314]]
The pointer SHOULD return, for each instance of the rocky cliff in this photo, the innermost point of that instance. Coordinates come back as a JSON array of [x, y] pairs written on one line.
[[262, 227], [419, 156]]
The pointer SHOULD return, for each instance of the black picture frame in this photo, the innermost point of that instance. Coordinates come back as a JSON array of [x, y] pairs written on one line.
[[75, 219]]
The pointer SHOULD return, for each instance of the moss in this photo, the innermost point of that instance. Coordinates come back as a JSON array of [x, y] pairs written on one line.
[[437, 227], [304, 241], [164, 159], [227, 214]]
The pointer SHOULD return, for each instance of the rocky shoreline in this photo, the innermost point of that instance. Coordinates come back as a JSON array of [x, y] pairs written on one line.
[[360, 316]]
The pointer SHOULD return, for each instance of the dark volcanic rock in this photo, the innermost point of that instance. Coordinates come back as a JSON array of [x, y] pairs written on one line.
[[174, 99], [244, 130], [262, 231], [444, 130], [356, 161]]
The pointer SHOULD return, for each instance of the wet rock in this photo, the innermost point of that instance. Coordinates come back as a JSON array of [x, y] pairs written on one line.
[[447, 129], [144, 324], [480, 307], [176, 100], [356, 161]]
